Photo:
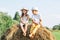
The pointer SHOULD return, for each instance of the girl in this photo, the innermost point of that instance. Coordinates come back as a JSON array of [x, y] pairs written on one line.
[[36, 22], [24, 20]]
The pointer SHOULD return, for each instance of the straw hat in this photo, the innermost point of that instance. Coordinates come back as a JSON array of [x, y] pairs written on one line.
[[35, 8], [24, 9]]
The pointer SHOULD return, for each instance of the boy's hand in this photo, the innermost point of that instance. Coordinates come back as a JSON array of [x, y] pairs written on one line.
[[41, 24], [35, 22]]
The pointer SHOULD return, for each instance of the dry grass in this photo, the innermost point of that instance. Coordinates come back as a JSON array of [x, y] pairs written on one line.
[[12, 31], [16, 34]]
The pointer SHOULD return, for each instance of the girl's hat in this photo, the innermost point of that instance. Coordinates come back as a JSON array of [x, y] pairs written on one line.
[[24, 9], [35, 8]]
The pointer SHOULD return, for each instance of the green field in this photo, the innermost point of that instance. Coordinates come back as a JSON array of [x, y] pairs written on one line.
[[56, 34]]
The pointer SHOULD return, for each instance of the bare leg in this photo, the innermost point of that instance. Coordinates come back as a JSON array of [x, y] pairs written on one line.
[[26, 28], [22, 28]]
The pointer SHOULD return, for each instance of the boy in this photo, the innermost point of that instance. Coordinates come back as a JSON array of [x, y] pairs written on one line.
[[36, 22]]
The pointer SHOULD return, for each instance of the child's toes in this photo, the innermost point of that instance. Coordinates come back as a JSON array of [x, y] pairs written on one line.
[[24, 34], [31, 36]]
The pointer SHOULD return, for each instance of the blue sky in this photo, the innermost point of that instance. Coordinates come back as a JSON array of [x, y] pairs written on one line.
[[49, 9]]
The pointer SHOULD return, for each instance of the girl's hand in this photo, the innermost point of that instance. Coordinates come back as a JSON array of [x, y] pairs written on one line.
[[22, 21]]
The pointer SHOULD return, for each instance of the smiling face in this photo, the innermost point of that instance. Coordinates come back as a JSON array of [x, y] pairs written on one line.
[[24, 11], [35, 12]]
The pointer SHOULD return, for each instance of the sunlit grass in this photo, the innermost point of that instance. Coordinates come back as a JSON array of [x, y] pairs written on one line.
[[56, 34]]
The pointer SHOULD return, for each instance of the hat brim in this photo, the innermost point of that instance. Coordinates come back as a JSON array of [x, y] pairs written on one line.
[[34, 10], [24, 9]]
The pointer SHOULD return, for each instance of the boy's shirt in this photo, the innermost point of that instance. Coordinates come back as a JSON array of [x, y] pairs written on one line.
[[36, 18]]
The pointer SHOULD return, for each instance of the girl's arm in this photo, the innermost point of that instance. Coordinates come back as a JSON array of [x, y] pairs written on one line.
[[27, 19], [22, 20]]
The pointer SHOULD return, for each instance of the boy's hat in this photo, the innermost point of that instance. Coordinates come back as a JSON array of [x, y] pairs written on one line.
[[35, 8], [24, 9]]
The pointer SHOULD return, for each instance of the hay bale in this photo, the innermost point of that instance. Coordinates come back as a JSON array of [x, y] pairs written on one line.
[[15, 33]]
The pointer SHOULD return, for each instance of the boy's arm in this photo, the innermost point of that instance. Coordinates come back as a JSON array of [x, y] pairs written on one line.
[[28, 17], [33, 20], [40, 21]]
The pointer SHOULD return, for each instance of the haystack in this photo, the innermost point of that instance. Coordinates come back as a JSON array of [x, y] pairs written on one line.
[[15, 33]]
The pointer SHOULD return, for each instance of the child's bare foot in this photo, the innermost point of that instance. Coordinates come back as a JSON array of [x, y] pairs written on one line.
[[31, 36], [24, 34]]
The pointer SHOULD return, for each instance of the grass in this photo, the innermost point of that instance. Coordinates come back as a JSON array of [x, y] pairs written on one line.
[[56, 34]]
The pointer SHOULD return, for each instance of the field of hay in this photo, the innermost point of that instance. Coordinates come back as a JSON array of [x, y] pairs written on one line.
[[56, 33]]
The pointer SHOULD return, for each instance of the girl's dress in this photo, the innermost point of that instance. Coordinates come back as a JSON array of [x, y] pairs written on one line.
[[24, 19]]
